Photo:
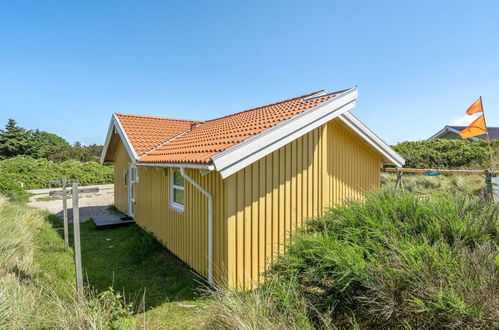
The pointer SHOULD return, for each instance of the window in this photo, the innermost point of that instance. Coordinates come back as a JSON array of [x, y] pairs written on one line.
[[135, 174], [177, 191]]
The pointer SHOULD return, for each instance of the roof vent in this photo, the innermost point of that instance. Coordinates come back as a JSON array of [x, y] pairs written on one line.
[[196, 124], [316, 95]]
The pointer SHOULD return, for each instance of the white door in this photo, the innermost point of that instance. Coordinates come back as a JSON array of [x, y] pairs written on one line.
[[131, 194]]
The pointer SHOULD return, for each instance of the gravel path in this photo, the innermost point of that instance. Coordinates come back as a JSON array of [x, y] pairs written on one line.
[[90, 204]]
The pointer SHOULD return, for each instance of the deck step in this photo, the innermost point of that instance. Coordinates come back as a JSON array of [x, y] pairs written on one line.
[[111, 220]]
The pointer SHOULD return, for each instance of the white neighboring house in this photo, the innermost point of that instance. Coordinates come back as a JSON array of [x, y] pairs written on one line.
[[452, 133]]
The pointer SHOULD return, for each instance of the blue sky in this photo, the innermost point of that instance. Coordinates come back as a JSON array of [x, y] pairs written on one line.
[[66, 66]]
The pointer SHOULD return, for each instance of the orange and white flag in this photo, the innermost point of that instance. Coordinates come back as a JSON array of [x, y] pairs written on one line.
[[477, 127], [475, 107]]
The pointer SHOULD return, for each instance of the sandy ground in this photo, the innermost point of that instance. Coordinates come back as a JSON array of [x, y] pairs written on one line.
[[90, 204]]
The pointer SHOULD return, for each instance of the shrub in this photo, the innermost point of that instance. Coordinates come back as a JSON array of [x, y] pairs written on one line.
[[442, 153], [19, 173], [398, 261], [12, 189]]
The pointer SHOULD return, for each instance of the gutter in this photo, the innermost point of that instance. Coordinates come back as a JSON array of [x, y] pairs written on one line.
[[210, 222], [207, 167]]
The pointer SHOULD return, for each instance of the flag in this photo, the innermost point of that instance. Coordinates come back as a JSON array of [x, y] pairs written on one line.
[[475, 107], [477, 127]]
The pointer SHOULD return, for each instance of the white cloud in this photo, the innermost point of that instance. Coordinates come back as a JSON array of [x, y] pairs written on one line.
[[463, 121]]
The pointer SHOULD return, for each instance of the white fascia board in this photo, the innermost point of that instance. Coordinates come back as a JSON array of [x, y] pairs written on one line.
[[206, 167], [115, 124], [439, 133], [375, 141], [243, 154], [108, 139], [128, 145], [445, 130]]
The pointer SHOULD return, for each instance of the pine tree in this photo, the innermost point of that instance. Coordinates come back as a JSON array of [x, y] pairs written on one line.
[[14, 140]]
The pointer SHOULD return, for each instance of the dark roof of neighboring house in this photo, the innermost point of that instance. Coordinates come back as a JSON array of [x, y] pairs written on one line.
[[493, 131]]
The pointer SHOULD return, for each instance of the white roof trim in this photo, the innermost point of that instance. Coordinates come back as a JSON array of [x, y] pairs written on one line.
[[448, 129], [247, 152], [106, 143], [208, 167], [243, 154], [375, 141], [115, 124]]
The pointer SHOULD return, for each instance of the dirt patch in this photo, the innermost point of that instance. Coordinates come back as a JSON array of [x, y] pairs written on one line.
[[90, 204]]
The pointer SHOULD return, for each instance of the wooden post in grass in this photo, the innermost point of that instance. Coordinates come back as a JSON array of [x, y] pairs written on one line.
[[488, 184], [75, 191], [398, 183], [65, 214], [77, 246]]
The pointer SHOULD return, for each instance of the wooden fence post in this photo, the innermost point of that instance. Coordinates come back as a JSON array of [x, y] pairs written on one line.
[[488, 184], [398, 183], [65, 214], [77, 246]]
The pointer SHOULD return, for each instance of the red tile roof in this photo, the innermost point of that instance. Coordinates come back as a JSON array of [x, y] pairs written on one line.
[[206, 139], [147, 132]]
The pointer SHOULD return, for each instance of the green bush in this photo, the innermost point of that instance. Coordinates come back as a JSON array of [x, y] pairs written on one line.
[[29, 173], [442, 153], [12, 189], [395, 261]]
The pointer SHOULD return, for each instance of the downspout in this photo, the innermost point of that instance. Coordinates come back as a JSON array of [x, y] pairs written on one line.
[[210, 222]]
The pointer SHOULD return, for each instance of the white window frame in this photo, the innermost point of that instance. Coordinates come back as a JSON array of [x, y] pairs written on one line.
[[174, 205], [135, 174]]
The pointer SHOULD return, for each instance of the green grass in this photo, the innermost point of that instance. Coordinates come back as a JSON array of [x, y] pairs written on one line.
[[420, 184], [135, 264], [37, 276], [393, 261]]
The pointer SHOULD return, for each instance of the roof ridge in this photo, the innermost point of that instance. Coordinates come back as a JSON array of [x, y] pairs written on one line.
[[267, 105], [157, 117], [166, 142]]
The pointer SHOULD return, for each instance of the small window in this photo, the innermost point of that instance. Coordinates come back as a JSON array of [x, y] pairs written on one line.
[[177, 191], [135, 174]]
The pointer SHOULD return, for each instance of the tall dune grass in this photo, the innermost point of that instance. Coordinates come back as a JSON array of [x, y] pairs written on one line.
[[27, 300], [393, 261]]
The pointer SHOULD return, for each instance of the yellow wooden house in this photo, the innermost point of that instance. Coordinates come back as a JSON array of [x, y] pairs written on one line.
[[225, 195]]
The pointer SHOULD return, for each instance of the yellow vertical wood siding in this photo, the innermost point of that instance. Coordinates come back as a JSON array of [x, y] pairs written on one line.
[[185, 234], [267, 200], [256, 209], [121, 161], [270, 198], [353, 166]]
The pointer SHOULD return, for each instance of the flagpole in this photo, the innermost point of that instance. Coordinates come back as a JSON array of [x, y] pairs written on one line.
[[488, 136]]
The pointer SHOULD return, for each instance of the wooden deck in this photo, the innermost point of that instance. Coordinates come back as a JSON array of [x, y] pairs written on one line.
[[112, 221]]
